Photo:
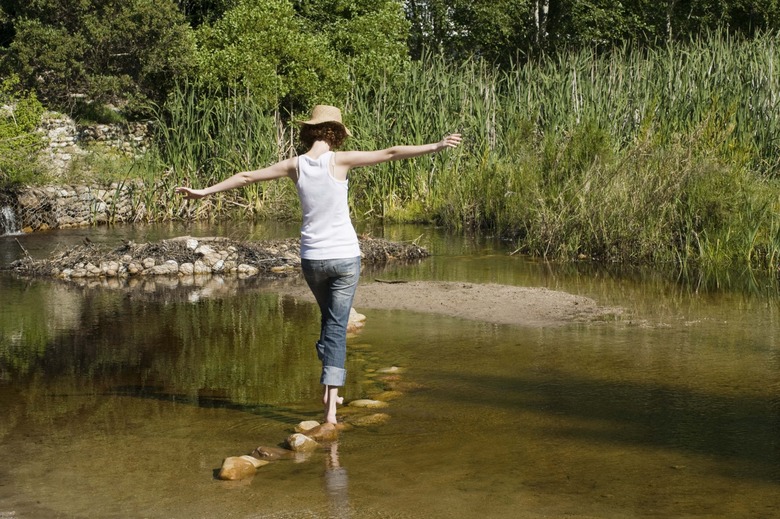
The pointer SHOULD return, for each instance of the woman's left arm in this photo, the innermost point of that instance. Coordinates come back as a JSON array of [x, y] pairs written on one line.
[[356, 159]]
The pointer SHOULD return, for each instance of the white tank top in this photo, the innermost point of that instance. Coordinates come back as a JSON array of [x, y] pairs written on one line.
[[327, 231]]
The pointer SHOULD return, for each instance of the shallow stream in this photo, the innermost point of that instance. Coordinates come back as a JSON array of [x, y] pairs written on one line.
[[119, 403]]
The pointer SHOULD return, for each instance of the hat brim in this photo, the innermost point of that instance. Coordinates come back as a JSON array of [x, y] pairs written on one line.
[[313, 122]]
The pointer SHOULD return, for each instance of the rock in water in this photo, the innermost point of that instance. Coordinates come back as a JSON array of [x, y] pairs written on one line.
[[239, 467], [301, 443], [370, 420], [272, 453], [306, 425], [367, 403], [326, 432]]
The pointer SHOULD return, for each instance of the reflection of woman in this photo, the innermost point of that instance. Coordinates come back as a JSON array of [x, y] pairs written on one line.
[[330, 255], [337, 484]]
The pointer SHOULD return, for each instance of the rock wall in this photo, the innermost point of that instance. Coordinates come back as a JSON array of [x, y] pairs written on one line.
[[64, 205], [65, 140], [49, 207]]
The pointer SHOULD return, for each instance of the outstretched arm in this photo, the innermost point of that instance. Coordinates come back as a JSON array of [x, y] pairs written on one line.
[[356, 159], [285, 168]]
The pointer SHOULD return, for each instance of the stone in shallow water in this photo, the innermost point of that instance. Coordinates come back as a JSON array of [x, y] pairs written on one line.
[[390, 370], [272, 453], [326, 432], [301, 443], [306, 425], [386, 396], [370, 420], [368, 403], [240, 467]]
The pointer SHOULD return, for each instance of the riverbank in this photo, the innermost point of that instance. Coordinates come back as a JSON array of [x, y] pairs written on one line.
[[205, 263], [492, 303]]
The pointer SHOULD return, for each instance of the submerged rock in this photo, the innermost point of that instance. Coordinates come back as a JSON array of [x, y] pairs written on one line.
[[272, 453], [368, 403], [370, 420]]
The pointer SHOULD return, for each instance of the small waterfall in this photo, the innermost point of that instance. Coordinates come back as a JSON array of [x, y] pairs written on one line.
[[8, 224]]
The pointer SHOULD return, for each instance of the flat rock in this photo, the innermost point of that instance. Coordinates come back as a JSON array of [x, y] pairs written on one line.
[[368, 403]]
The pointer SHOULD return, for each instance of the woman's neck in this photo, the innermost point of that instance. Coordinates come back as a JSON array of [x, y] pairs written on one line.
[[317, 149]]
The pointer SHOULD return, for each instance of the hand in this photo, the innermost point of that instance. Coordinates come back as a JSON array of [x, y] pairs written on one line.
[[190, 194], [449, 141]]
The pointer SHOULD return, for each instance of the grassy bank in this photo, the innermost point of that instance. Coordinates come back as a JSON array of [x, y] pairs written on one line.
[[640, 156]]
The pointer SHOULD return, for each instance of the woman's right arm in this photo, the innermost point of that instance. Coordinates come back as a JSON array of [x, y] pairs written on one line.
[[285, 168]]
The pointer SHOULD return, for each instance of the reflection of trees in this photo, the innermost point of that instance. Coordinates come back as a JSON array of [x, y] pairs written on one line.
[[31, 313], [251, 348]]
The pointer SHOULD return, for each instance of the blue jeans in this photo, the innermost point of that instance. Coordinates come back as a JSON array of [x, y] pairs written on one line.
[[333, 283]]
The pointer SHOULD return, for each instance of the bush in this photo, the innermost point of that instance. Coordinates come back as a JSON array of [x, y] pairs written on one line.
[[20, 114]]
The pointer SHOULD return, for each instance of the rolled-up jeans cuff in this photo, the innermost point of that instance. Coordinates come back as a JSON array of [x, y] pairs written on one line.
[[333, 376]]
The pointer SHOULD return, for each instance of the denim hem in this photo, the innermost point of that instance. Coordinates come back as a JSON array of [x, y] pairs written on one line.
[[333, 376]]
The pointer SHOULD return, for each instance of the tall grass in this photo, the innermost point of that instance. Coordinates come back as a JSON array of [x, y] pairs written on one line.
[[202, 138], [638, 155]]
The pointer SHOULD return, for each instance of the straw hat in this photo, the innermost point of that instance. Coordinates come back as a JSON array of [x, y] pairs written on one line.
[[326, 114]]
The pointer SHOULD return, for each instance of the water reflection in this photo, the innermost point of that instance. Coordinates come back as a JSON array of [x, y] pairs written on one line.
[[336, 484], [138, 390]]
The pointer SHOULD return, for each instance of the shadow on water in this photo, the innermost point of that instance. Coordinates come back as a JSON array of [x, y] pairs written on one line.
[[277, 413], [738, 428]]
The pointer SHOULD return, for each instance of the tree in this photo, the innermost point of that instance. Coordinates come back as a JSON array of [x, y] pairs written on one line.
[[264, 47], [101, 50], [298, 53], [502, 31], [496, 30]]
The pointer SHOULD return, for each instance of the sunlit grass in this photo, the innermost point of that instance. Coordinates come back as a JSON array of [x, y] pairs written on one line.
[[665, 156]]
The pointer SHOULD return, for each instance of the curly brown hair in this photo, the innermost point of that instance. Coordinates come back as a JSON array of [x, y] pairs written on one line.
[[333, 133]]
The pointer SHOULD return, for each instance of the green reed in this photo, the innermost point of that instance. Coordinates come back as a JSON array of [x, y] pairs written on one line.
[[663, 155], [202, 138]]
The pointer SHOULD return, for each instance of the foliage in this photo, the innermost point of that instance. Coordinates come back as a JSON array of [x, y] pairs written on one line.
[[20, 114], [296, 55], [652, 156], [99, 50], [506, 31], [264, 48]]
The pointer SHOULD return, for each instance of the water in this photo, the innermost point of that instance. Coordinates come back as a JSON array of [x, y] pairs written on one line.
[[8, 224], [122, 403]]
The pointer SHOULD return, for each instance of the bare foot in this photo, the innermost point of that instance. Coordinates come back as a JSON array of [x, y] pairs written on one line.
[[331, 399]]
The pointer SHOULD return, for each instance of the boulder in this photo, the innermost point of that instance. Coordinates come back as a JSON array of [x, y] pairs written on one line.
[[356, 321], [306, 425]]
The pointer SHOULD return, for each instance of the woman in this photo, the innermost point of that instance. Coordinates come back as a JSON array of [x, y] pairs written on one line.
[[330, 253]]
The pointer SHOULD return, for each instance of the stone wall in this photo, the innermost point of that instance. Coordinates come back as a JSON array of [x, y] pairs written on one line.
[[63, 205], [65, 140], [50, 207]]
